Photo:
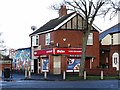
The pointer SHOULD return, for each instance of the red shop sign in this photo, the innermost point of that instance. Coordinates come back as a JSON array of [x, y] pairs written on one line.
[[70, 51], [43, 52]]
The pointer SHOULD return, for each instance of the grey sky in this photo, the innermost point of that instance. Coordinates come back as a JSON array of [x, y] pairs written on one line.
[[17, 17]]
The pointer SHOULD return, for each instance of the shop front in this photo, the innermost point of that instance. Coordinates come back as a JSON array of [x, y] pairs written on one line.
[[57, 60]]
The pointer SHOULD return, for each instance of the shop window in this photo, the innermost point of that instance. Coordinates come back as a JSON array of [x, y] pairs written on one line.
[[47, 39], [73, 65], [45, 65], [90, 39]]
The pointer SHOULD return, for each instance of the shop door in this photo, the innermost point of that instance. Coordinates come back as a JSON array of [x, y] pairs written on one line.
[[35, 65], [57, 65]]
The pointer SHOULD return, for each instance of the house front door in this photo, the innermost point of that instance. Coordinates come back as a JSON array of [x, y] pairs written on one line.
[[57, 65], [115, 60]]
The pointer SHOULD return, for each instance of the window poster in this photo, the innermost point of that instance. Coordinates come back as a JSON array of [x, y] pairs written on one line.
[[73, 65], [45, 65]]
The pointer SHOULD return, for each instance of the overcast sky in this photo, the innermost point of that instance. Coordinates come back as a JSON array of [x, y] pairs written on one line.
[[17, 17]]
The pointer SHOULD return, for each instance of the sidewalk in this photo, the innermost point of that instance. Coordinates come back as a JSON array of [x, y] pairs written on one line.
[[21, 76]]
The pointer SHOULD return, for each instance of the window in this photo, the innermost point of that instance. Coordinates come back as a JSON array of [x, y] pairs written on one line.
[[112, 39], [115, 60], [90, 39], [35, 40], [47, 39]]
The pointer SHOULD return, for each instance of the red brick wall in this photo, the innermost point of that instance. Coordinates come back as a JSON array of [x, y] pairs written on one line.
[[112, 49], [4, 66], [97, 71], [74, 38]]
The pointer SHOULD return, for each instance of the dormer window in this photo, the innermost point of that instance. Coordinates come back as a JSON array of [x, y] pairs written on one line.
[[35, 40], [47, 39]]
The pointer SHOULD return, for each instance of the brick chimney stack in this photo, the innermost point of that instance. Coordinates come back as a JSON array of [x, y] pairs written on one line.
[[62, 11]]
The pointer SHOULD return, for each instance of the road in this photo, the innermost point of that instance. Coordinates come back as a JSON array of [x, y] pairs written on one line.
[[70, 85]]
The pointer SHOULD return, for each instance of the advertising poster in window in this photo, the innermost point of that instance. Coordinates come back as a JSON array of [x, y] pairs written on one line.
[[73, 65], [45, 65]]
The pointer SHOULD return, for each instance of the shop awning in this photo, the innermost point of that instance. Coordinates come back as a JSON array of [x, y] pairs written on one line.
[[58, 51]]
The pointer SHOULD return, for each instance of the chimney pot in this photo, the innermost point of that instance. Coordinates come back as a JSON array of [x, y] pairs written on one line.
[[62, 11]]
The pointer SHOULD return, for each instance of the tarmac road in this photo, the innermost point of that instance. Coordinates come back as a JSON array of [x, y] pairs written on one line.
[[67, 85]]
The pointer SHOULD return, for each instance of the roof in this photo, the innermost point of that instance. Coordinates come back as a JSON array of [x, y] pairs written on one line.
[[56, 23], [3, 57], [52, 24], [24, 48], [112, 30]]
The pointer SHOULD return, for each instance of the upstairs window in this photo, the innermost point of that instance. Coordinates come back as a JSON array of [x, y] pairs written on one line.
[[35, 40], [90, 39], [47, 39], [111, 39]]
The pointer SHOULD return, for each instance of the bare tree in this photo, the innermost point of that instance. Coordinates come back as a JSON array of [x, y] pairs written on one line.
[[115, 8], [90, 9]]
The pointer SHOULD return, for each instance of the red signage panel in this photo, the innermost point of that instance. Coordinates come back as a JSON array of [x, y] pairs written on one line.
[[43, 52], [70, 51]]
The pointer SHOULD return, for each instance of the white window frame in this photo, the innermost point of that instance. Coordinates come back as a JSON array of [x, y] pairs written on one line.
[[47, 39], [90, 39], [35, 40]]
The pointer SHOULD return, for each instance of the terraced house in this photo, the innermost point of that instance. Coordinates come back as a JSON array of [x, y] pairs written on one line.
[[57, 45]]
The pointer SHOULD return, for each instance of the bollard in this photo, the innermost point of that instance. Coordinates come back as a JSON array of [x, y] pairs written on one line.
[[64, 75], [119, 75], [84, 75], [0, 73], [29, 74], [45, 75], [25, 73], [101, 75]]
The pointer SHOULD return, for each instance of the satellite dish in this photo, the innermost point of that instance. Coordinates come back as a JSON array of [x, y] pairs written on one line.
[[33, 28]]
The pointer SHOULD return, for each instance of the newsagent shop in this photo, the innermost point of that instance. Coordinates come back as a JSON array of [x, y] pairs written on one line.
[[57, 60]]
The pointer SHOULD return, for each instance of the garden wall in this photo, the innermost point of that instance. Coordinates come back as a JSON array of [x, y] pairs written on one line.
[[97, 71]]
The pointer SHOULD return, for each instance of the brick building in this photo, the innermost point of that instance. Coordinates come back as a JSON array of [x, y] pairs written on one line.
[[56, 46], [5, 62], [110, 47]]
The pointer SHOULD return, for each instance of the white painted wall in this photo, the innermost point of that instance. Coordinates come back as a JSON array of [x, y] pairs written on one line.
[[107, 40]]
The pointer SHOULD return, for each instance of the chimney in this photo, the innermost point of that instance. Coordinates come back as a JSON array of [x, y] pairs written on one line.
[[62, 11]]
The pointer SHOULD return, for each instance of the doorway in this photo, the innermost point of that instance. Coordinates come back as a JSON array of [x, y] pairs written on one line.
[[57, 65], [115, 60], [35, 65]]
